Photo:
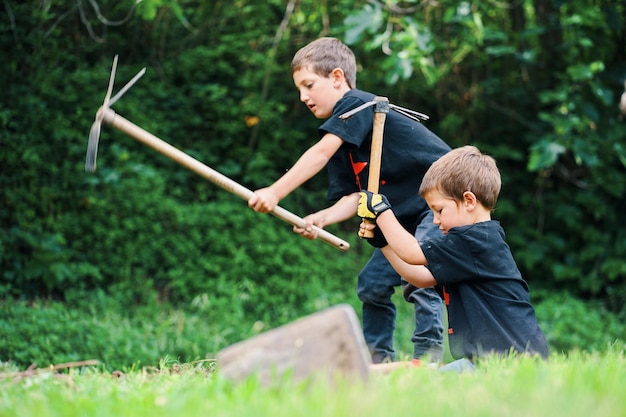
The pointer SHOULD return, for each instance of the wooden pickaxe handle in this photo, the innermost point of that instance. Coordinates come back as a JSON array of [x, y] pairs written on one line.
[[147, 138], [381, 108]]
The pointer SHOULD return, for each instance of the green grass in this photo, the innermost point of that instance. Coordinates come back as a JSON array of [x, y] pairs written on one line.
[[578, 384]]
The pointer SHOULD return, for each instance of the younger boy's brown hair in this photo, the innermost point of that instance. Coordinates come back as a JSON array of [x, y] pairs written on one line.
[[464, 169], [323, 55]]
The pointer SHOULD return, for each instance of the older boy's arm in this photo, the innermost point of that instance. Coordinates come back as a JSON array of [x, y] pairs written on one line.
[[417, 275], [403, 243], [310, 163], [343, 209]]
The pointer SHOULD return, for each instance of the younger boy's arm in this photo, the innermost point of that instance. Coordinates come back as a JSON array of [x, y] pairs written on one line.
[[403, 243], [310, 163], [418, 275]]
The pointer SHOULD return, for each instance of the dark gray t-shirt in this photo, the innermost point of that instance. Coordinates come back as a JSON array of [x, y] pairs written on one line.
[[488, 302], [409, 149]]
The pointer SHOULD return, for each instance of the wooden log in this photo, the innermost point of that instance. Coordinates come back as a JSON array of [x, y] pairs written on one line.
[[326, 344]]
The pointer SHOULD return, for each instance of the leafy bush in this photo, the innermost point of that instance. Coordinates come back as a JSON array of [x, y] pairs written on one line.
[[574, 324], [538, 88], [103, 327]]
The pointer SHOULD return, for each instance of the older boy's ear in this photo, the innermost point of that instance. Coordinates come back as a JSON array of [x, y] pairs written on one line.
[[338, 76]]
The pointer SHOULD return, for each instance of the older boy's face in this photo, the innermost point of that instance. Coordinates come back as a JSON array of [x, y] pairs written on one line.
[[320, 94]]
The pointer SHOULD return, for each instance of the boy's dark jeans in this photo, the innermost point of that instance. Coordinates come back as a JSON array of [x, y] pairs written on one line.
[[376, 284]]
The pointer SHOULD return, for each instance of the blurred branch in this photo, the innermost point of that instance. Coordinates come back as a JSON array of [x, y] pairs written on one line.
[[108, 22], [85, 21], [32, 370], [268, 67], [100, 16]]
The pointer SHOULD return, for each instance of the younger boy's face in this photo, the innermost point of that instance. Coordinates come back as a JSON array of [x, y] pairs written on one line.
[[320, 94], [447, 213]]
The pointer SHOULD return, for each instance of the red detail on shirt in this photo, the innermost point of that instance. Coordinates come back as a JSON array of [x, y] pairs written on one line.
[[357, 167], [446, 299]]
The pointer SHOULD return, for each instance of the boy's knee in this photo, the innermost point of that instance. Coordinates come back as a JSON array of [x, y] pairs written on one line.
[[407, 291], [377, 294], [414, 294]]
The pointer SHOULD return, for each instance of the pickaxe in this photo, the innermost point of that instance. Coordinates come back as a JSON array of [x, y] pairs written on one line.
[[381, 108], [106, 115]]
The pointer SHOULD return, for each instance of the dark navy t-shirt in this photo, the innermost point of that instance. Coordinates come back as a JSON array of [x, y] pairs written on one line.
[[488, 302], [409, 149]]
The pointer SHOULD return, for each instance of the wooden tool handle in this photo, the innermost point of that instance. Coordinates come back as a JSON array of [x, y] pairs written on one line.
[[210, 174], [373, 180]]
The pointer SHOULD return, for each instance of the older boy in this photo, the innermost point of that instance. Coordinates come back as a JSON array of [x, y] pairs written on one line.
[[489, 309], [324, 73]]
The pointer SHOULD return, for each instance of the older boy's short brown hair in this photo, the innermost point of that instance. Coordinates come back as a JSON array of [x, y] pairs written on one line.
[[464, 169], [323, 55]]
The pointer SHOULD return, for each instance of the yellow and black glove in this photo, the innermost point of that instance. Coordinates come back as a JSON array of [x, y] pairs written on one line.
[[371, 205]]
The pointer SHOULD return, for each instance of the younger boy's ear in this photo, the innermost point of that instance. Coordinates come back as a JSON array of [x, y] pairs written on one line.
[[469, 200]]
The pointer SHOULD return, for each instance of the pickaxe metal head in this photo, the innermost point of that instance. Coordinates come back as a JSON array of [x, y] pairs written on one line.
[[382, 105], [94, 133]]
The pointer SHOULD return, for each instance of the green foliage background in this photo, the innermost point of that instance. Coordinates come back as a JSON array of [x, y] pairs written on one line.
[[534, 83]]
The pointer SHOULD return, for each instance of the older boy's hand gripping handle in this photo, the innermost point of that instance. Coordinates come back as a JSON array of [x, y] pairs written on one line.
[[381, 108]]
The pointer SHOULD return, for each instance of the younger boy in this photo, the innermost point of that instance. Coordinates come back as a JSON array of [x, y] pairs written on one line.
[[324, 73], [489, 309]]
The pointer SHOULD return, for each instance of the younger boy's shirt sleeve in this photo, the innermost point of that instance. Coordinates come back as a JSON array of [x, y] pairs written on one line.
[[471, 252], [449, 258]]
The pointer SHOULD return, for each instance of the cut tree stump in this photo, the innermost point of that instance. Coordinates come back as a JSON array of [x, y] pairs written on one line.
[[328, 343]]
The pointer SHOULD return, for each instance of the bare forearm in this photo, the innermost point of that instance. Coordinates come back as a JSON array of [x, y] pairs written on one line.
[[403, 243], [308, 165], [418, 275], [342, 210]]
